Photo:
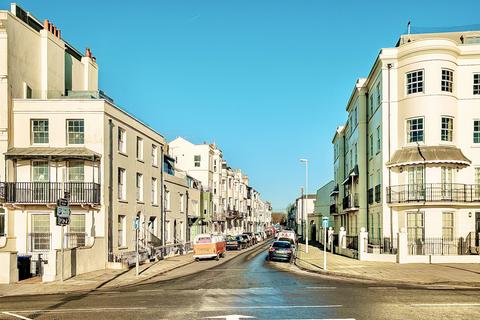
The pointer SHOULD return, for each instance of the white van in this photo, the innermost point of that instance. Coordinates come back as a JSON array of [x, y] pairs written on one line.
[[287, 235]]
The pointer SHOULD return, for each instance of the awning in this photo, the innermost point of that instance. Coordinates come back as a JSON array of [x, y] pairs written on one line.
[[428, 155], [335, 190], [352, 174], [80, 153]]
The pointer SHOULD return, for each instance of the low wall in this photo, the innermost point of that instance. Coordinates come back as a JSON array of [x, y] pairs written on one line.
[[379, 257], [76, 261], [8, 267], [455, 259]]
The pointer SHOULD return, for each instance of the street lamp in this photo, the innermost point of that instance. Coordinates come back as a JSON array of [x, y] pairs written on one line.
[[304, 205]]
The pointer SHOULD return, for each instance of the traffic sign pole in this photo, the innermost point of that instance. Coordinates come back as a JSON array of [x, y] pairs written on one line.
[[62, 262], [325, 226]]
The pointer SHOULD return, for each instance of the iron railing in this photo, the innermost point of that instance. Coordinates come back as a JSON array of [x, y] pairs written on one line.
[[352, 242], [385, 245], [50, 192], [434, 192], [350, 201], [439, 246]]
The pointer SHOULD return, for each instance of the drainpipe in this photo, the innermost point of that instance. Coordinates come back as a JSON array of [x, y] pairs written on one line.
[[389, 66], [187, 222], [110, 191], [367, 160], [162, 204]]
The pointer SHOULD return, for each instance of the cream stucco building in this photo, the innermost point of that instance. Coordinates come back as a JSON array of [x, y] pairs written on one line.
[[409, 154]]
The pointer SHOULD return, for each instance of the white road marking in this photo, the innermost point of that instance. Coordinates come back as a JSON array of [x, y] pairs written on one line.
[[16, 315], [272, 307], [79, 310], [322, 288], [446, 304]]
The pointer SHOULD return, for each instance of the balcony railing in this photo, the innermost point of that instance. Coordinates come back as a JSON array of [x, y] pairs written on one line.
[[350, 201], [50, 192], [434, 192]]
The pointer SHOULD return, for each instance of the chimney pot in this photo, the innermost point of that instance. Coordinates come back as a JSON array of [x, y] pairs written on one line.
[[59, 34], [88, 53], [46, 24]]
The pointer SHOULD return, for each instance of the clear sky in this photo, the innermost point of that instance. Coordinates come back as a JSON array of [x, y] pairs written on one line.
[[266, 80]]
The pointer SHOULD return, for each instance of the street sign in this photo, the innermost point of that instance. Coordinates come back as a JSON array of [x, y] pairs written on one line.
[[63, 221], [136, 224], [62, 212], [62, 202], [325, 222]]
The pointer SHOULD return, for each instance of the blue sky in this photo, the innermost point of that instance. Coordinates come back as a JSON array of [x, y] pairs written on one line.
[[266, 80]]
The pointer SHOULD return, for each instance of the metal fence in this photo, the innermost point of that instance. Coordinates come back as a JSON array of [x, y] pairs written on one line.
[[439, 246], [352, 242], [434, 192], [385, 245]]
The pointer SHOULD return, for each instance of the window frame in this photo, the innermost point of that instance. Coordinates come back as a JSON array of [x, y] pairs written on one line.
[[122, 140], [82, 133], [411, 90], [32, 132], [139, 186], [121, 229], [139, 149], [154, 191], [451, 227], [476, 84], [122, 192], [154, 155], [379, 139], [446, 85], [409, 130], [446, 132], [197, 163], [3, 223], [476, 132]]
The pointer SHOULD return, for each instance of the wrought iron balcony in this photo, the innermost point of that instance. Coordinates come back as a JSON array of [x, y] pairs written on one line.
[[49, 192], [434, 192], [350, 202]]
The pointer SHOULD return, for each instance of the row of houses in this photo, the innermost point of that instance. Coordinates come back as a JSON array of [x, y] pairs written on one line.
[[62, 136], [408, 157]]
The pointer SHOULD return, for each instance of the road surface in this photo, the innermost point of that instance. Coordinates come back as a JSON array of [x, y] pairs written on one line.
[[250, 286]]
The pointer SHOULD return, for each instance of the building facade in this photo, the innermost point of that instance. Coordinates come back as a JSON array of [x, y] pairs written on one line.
[[408, 155]]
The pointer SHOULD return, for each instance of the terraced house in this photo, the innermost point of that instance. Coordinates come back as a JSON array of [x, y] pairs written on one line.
[[408, 157], [61, 135]]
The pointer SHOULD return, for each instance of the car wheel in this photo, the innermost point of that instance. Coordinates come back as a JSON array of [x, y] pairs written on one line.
[[217, 257], [197, 259]]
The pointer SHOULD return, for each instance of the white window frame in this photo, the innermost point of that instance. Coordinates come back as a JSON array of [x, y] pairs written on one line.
[[154, 155], [379, 139], [197, 161], [122, 183], [45, 133], [451, 227], [80, 132], [415, 85], [182, 203], [154, 191], [476, 133], [167, 200], [3, 223], [122, 140], [476, 84], [409, 131], [122, 231], [139, 186], [139, 148], [446, 133], [447, 80]]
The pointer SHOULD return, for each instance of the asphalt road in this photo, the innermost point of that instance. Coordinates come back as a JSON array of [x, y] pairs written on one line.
[[250, 286]]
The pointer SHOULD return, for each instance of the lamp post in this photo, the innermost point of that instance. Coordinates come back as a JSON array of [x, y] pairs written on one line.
[[306, 200]]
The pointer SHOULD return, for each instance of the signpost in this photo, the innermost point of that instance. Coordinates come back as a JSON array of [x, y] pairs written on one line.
[[325, 227], [136, 226], [62, 215]]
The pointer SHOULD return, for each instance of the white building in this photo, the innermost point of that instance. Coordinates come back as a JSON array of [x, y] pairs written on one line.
[[408, 156]]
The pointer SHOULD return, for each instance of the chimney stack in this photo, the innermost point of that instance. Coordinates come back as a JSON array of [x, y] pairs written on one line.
[[88, 53]]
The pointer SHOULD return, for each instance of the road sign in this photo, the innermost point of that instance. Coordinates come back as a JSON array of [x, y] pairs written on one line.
[[325, 222], [63, 221], [62, 202], [136, 223], [62, 212]]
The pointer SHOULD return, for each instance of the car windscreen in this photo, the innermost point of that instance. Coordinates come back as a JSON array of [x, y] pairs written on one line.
[[281, 245], [204, 240]]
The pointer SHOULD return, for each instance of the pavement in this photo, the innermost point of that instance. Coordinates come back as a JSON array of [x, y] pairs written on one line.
[[459, 275], [247, 286], [109, 279]]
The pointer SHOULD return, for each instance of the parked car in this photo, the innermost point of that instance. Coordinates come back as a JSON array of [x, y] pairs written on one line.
[[258, 237], [252, 236], [247, 240], [282, 251], [234, 243]]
